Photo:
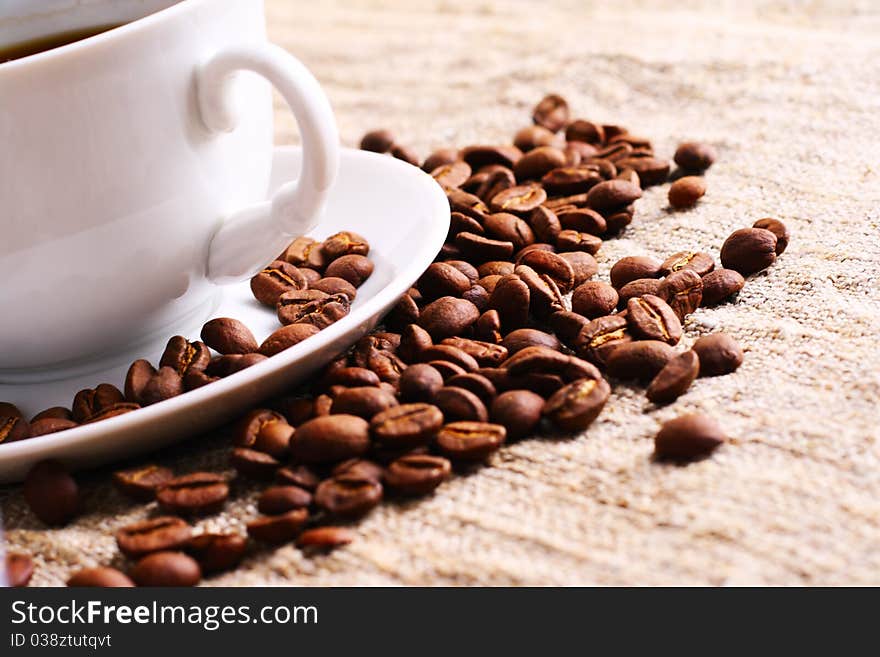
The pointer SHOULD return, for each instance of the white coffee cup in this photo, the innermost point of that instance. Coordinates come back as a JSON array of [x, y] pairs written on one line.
[[134, 171]]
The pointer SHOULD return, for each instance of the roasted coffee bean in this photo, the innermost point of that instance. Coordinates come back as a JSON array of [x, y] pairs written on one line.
[[352, 268], [488, 326], [223, 366], [685, 192], [576, 151], [251, 463], [537, 246], [612, 195], [582, 220], [443, 280], [541, 360], [276, 279], [413, 340], [719, 354], [688, 437], [486, 354], [493, 180], [100, 577], [583, 265], [482, 249], [545, 224], [632, 268], [404, 312], [470, 441], [54, 413], [360, 468], [702, 263], [196, 493], [617, 221], [551, 264], [164, 384], [305, 252], [522, 338], [166, 569], [535, 136], [185, 356], [387, 365], [777, 228], [278, 529], [534, 164], [475, 383], [333, 286], [651, 171], [405, 154], [438, 158], [601, 337], [458, 404], [142, 482], [465, 268], [448, 316], [518, 411], [467, 204], [344, 243], [50, 425], [325, 538], [377, 141], [629, 175], [363, 402], [419, 383], [694, 156], [112, 411], [330, 438], [461, 223], [217, 552], [140, 372], [452, 354], [417, 474], [511, 298], [719, 285], [651, 318], [312, 307], [585, 131], [152, 535], [521, 199], [674, 379], [544, 295], [551, 113], [90, 402], [286, 337], [640, 287], [540, 383], [348, 495], [569, 180], [228, 336], [311, 275], [407, 425], [575, 406], [351, 377], [276, 500], [567, 325], [51, 493], [509, 228], [683, 291], [594, 299], [481, 155], [572, 241], [298, 475], [265, 431], [749, 250], [19, 569], [640, 360]]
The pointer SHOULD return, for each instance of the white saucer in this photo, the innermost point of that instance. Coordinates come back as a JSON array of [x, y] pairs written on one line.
[[401, 211]]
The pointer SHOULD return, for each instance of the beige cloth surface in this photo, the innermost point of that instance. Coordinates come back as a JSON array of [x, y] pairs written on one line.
[[789, 93]]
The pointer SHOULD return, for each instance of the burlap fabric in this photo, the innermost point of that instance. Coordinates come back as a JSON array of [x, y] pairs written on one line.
[[789, 93]]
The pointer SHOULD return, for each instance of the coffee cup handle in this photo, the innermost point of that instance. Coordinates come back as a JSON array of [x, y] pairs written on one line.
[[251, 237]]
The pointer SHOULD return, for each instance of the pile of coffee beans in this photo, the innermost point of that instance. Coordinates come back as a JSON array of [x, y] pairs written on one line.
[[505, 335]]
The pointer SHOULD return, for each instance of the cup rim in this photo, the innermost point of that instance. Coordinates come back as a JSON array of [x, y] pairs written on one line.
[[137, 25]]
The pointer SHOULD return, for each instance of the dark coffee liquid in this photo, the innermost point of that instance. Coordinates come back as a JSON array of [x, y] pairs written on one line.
[[49, 42]]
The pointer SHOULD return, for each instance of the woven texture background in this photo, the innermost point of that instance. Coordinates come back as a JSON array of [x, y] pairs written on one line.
[[789, 93]]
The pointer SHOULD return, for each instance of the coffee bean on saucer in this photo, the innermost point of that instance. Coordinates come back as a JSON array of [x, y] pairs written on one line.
[[348, 495], [651, 318], [197, 493], [91, 401], [141, 483], [281, 499], [594, 299], [286, 337], [166, 569], [54, 413], [223, 366], [19, 569], [229, 336], [352, 268], [640, 360], [152, 535], [312, 307], [719, 285], [332, 286], [749, 250], [217, 552], [688, 437], [575, 406], [686, 191], [185, 356], [343, 243], [113, 411], [470, 441], [674, 379], [276, 279], [518, 411], [694, 156], [377, 141], [139, 374], [683, 291], [51, 493], [330, 438], [551, 113], [13, 428], [325, 538], [100, 577], [417, 474], [164, 384], [777, 228], [632, 268], [305, 252], [50, 425], [719, 354]]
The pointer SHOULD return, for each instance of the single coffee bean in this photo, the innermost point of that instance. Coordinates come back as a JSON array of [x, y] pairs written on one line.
[[413, 340], [632, 268], [164, 384], [142, 482], [452, 354], [363, 402], [495, 268], [152, 535], [278, 529], [583, 265], [612, 194], [265, 431], [651, 318], [573, 240], [638, 288], [521, 199], [569, 180], [333, 286], [488, 326], [407, 425], [417, 474], [518, 411], [475, 383], [406, 154], [683, 291], [196, 493], [139, 374], [280, 499], [448, 316], [348, 495], [90, 402], [312, 307], [694, 156], [575, 406], [50, 425], [344, 243], [387, 365], [541, 360], [419, 383], [353, 268], [640, 360], [229, 336], [185, 356], [585, 131], [486, 354], [594, 299], [511, 299], [674, 379], [535, 136], [534, 164], [166, 569], [477, 295], [777, 228], [360, 468], [51, 493], [467, 204], [551, 113], [617, 221], [377, 141], [545, 224], [491, 181], [330, 438], [286, 337], [578, 151], [325, 538], [443, 280], [688, 437], [629, 175], [470, 441], [509, 228], [305, 252], [567, 325], [458, 404], [223, 366], [217, 552], [19, 569], [311, 275], [481, 155], [650, 170], [544, 295], [351, 377], [564, 203], [251, 463], [702, 263], [749, 250], [719, 354], [481, 249], [522, 338], [438, 158], [582, 220], [276, 279], [54, 413], [298, 475], [100, 577], [600, 337], [551, 264], [719, 285], [685, 192]]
